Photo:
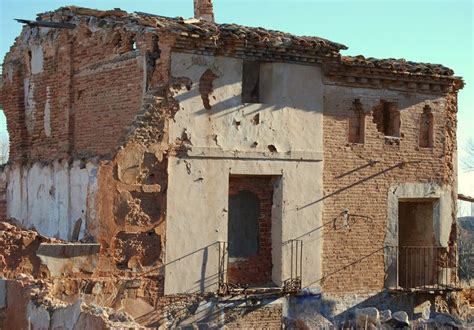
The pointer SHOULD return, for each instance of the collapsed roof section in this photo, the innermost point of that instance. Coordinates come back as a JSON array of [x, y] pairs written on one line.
[[209, 38]]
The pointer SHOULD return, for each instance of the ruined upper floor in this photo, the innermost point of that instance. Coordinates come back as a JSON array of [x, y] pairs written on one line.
[[59, 62]]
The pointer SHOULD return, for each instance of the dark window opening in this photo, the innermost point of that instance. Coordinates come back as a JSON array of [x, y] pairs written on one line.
[[251, 82], [249, 228], [356, 123], [417, 263], [243, 230], [387, 118], [426, 128]]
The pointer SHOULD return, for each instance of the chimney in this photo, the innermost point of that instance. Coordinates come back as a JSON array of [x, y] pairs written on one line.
[[203, 10]]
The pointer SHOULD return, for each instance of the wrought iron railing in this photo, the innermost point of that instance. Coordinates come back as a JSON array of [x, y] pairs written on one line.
[[223, 265], [290, 285], [293, 283], [426, 267]]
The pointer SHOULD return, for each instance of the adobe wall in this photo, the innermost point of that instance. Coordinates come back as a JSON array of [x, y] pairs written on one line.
[[367, 180]]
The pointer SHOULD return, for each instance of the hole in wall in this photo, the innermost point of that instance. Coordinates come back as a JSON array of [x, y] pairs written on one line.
[[356, 123], [251, 82], [4, 139], [426, 128], [272, 148], [386, 116], [256, 119], [206, 87]]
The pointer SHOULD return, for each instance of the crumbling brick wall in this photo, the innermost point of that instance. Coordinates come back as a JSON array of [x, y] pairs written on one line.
[[99, 94], [357, 178]]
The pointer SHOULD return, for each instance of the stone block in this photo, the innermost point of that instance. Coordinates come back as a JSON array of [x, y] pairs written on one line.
[[385, 315], [399, 319], [64, 259], [366, 316], [423, 310]]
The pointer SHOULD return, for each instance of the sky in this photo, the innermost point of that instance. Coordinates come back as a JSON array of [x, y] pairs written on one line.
[[432, 31]]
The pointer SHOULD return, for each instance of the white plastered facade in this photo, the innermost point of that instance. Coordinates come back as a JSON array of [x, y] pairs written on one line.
[[225, 140]]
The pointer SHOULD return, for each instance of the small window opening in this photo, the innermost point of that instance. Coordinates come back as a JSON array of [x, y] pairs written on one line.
[[356, 123], [426, 128], [4, 139], [251, 82], [387, 118]]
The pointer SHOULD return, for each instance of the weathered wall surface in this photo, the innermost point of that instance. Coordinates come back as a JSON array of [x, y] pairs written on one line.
[[54, 198], [368, 179], [216, 139], [62, 87]]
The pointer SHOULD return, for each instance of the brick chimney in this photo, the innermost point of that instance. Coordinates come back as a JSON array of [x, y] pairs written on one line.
[[203, 10]]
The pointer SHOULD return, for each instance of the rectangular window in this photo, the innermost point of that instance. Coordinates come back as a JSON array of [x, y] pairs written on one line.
[[249, 230], [356, 123], [426, 128], [251, 82], [387, 118]]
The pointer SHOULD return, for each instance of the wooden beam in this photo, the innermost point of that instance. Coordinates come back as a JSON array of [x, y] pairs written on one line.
[[57, 25], [465, 198]]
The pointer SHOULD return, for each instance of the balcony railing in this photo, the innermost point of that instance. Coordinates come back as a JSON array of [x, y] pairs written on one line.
[[293, 284], [426, 267], [290, 285]]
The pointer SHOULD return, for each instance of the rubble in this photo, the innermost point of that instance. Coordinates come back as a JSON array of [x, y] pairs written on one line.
[[18, 253]]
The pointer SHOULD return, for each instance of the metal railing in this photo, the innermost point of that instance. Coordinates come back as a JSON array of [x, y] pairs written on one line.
[[290, 285], [223, 265], [293, 284], [426, 267]]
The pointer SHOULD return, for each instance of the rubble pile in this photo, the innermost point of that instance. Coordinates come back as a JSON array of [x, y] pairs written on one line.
[[18, 251]]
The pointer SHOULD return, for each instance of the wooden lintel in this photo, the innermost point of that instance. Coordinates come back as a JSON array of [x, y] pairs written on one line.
[[57, 25], [462, 197]]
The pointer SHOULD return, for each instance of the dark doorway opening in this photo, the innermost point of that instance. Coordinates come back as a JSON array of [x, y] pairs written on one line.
[[249, 230], [418, 254]]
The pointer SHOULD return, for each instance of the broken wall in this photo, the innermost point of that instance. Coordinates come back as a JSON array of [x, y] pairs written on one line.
[[54, 198], [84, 135], [225, 140], [69, 98]]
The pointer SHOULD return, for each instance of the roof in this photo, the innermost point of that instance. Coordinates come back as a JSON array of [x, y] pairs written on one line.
[[243, 41], [205, 30], [398, 65]]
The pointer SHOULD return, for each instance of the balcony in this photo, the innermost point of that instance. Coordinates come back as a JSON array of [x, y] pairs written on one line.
[[289, 286], [425, 268]]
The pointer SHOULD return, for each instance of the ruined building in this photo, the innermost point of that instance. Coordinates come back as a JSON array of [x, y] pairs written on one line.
[[184, 171]]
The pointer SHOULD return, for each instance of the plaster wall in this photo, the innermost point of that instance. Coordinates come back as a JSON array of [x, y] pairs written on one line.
[[52, 198], [221, 143]]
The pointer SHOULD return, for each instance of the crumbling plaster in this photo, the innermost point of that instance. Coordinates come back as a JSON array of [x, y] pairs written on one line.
[[220, 142], [52, 198]]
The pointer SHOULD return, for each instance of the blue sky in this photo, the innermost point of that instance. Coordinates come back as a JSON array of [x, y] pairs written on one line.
[[419, 30]]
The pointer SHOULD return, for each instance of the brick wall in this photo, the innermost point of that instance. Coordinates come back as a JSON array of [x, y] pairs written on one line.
[[255, 269], [262, 317], [83, 99], [353, 259]]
